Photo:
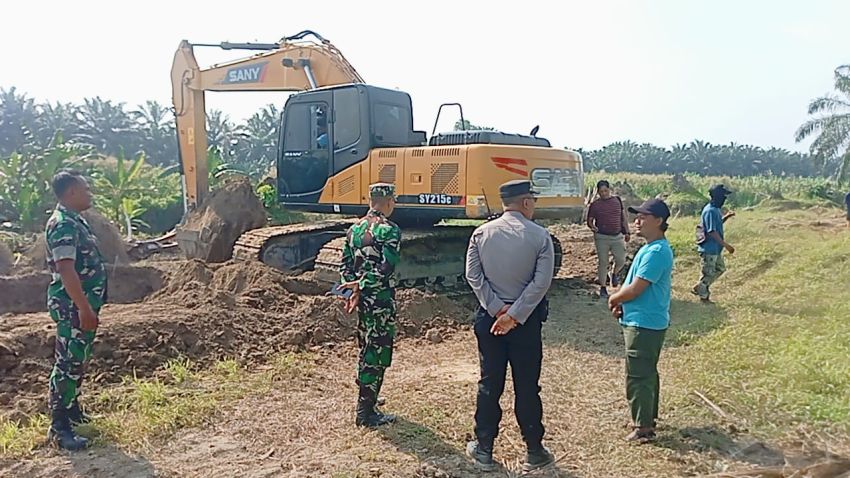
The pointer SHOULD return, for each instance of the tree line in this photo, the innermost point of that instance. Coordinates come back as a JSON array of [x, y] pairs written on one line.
[[700, 157], [112, 128]]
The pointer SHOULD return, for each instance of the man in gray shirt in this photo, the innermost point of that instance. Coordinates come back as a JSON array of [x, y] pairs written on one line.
[[509, 265]]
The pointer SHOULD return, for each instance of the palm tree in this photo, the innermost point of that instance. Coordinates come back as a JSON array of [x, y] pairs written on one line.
[[17, 120], [221, 133], [155, 124], [258, 147], [831, 122], [107, 126], [55, 117]]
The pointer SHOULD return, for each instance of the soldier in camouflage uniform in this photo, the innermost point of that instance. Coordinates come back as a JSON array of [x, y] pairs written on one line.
[[74, 298], [370, 255]]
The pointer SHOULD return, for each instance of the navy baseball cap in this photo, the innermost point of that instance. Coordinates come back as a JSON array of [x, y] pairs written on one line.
[[653, 207], [719, 189]]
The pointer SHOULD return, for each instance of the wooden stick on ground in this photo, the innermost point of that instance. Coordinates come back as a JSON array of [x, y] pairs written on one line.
[[713, 407]]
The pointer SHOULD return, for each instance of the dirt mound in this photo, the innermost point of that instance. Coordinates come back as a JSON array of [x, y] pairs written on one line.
[[7, 259], [210, 232], [204, 312], [682, 185], [257, 290], [109, 241], [25, 293]]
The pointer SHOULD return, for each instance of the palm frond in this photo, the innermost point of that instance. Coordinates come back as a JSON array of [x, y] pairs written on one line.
[[828, 103], [808, 128]]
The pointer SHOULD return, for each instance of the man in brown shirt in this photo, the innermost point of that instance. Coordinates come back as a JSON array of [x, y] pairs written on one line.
[[606, 217]]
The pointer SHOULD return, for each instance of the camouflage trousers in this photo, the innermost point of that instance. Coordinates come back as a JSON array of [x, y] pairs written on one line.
[[713, 266], [72, 351], [376, 327]]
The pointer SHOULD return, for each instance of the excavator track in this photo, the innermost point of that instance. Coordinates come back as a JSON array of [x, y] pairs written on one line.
[[290, 247], [444, 271], [432, 259]]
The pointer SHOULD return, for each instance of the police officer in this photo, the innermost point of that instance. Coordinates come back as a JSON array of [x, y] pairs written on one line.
[[369, 258], [74, 298], [509, 265]]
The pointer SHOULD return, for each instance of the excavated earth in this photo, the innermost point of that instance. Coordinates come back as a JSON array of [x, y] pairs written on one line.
[[205, 312], [160, 310]]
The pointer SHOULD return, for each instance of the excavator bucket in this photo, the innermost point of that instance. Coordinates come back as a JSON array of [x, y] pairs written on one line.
[[210, 231]]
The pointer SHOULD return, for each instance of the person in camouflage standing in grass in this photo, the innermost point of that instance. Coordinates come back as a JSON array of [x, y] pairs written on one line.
[[369, 258], [74, 298]]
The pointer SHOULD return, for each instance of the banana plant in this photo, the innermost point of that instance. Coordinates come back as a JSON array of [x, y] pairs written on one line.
[[118, 190], [219, 169], [25, 180]]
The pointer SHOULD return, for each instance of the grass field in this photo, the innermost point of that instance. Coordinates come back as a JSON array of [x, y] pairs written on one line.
[[780, 355]]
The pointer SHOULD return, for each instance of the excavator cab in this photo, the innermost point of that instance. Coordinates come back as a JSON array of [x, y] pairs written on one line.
[[328, 130]]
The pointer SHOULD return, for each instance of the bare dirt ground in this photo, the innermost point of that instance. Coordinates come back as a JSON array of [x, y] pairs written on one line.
[[304, 427]]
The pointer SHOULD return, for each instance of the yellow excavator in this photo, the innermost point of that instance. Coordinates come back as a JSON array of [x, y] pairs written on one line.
[[338, 135]]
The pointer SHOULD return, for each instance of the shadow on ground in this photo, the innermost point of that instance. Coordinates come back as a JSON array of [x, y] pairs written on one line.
[[98, 462], [580, 319], [711, 439], [439, 459]]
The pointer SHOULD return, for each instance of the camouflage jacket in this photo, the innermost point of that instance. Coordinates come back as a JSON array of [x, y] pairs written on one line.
[[371, 252], [69, 236]]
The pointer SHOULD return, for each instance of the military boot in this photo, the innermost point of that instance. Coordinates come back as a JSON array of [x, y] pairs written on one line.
[[63, 435], [368, 417], [76, 415]]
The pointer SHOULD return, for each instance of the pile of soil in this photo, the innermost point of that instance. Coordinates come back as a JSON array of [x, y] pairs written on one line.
[[210, 231], [26, 292], [204, 312], [7, 259], [109, 241], [266, 295], [682, 185]]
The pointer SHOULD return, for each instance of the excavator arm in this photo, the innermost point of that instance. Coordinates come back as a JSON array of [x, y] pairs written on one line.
[[293, 64]]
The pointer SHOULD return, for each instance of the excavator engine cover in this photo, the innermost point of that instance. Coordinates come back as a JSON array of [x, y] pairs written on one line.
[[486, 137]]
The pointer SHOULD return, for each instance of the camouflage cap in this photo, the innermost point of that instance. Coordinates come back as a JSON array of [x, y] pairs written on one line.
[[382, 190]]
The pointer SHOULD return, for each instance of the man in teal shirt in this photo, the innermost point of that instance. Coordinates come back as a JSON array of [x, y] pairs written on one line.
[[642, 307], [711, 241]]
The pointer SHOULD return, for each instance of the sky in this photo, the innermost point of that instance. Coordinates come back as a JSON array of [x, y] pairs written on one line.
[[589, 73]]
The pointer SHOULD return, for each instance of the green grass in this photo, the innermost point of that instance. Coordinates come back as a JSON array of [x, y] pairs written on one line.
[[776, 349], [137, 411]]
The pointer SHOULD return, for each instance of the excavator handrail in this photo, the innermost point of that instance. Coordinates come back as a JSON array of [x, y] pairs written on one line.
[[263, 46]]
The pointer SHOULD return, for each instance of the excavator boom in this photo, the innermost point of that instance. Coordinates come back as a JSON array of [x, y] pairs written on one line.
[[296, 63]]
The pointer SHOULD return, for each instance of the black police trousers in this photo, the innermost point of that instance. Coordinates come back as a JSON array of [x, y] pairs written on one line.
[[522, 348]]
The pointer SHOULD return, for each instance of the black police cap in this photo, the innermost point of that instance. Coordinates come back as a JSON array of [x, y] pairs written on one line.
[[512, 189]]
